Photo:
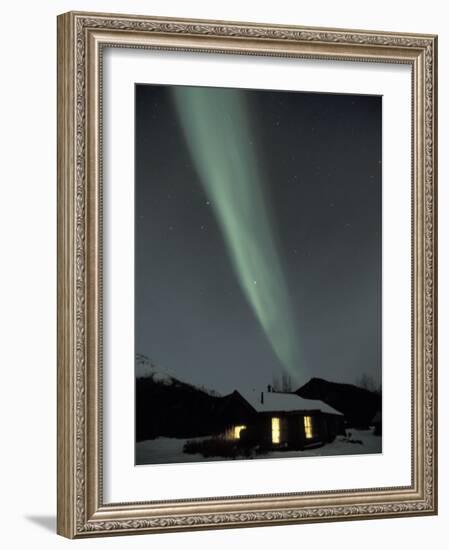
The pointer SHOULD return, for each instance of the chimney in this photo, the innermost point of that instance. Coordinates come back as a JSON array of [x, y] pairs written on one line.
[[261, 397], [269, 388]]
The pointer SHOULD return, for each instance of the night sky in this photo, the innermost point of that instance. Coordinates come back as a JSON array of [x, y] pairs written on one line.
[[312, 162]]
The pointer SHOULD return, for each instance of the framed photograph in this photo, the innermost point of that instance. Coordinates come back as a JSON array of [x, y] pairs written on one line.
[[246, 274]]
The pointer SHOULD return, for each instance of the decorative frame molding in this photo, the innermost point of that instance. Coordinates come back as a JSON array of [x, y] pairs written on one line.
[[81, 37]]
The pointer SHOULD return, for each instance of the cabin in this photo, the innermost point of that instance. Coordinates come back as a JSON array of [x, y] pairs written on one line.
[[282, 421]]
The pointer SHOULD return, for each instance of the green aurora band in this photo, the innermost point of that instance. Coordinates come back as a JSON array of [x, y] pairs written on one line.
[[216, 126]]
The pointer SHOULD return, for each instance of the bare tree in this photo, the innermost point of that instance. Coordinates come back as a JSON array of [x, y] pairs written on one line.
[[367, 382], [286, 382], [275, 385], [283, 384]]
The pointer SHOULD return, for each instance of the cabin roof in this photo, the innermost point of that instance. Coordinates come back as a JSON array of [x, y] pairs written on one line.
[[284, 402]]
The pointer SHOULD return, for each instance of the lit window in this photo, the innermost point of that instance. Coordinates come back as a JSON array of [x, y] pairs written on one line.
[[237, 430], [275, 430], [308, 427]]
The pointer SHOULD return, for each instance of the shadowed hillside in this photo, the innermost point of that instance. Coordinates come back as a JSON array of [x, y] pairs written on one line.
[[357, 404], [168, 407], [174, 409]]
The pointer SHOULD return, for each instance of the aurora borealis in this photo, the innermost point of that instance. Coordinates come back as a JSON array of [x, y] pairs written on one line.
[[217, 128], [258, 235]]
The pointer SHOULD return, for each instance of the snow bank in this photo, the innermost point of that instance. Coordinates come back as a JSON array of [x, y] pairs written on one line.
[[166, 450]]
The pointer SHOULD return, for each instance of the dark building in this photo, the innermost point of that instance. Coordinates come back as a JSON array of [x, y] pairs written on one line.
[[279, 420]]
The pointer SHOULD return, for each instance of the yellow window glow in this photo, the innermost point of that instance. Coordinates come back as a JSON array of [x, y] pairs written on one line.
[[237, 430], [275, 430], [308, 427]]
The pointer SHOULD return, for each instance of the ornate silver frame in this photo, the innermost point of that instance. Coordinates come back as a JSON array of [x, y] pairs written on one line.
[[81, 38]]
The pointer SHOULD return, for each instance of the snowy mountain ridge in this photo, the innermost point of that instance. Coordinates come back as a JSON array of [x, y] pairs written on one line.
[[146, 369]]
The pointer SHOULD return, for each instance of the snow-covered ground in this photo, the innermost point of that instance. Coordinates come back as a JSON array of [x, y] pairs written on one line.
[[370, 444], [169, 450]]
